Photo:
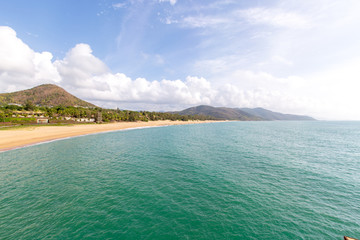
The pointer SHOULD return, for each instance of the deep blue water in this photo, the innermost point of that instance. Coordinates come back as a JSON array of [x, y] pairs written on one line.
[[232, 180]]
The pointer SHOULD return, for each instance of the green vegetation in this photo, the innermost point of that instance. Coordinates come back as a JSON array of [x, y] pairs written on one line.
[[15, 114], [241, 114], [220, 113]]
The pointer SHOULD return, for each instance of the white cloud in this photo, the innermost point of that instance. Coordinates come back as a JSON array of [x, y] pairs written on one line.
[[172, 2], [331, 94], [236, 18], [84, 75], [204, 21], [168, 21], [123, 89], [275, 17], [20, 66], [78, 66]]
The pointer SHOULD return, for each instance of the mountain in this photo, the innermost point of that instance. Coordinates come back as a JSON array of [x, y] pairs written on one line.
[[269, 115], [221, 113], [243, 114], [44, 95]]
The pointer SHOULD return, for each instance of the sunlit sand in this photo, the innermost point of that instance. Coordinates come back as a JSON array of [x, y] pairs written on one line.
[[14, 138]]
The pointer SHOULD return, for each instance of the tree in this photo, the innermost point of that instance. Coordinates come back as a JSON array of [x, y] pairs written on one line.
[[29, 106], [2, 116]]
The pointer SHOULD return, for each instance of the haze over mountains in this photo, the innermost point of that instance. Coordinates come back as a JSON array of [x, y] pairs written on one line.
[[52, 95], [270, 115]]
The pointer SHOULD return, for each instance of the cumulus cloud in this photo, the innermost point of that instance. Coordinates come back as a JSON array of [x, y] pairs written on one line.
[[83, 74], [123, 89], [20, 66], [79, 66], [86, 76]]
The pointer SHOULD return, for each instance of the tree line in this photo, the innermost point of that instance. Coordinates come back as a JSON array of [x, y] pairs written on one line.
[[12, 113]]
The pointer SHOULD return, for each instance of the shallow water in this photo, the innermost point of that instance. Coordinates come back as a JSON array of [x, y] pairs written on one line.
[[234, 180]]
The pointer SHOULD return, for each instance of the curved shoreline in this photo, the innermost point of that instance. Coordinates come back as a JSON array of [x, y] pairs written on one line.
[[29, 136]]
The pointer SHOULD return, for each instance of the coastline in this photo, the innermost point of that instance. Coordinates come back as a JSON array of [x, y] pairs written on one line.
[[32, 135]]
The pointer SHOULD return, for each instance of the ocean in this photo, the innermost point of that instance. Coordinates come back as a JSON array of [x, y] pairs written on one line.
[[229, 180]]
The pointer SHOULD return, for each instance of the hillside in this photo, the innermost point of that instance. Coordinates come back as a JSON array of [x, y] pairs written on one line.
[[243, 114], [220, 113], [44, 95], [269, 115]]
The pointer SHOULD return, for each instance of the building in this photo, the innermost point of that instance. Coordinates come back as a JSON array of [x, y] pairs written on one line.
[[98, 117], [42, 120]]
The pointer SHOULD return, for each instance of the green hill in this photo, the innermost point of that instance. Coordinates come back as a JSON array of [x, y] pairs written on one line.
[[44, 95], [242, 114], [220, 113]]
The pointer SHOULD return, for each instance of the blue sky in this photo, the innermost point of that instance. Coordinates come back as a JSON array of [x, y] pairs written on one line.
[[290, 56]]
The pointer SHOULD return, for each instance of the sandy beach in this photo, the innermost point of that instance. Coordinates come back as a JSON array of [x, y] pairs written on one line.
[[15, 138]]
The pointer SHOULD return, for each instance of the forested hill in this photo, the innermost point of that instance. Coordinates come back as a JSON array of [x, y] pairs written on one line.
[[243, 114], [270, 115], [44, 95], [220, 113]]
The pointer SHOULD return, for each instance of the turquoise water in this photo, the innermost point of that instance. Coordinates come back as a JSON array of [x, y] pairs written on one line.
[[234, 180]]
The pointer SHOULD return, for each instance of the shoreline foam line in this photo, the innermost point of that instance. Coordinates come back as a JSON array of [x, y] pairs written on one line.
[[21, 138]]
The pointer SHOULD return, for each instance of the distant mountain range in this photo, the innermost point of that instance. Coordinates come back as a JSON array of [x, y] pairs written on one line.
[[221, 113], [52, 95], [44, 95], [242, 114], [269, 115]]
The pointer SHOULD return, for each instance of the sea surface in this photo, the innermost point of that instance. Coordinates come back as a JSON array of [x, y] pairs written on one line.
[[231, 180]]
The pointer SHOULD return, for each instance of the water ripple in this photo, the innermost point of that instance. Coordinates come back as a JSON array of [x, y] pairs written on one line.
[[253, 180]]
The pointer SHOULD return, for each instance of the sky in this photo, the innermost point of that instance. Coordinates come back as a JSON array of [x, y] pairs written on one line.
[[290, 56]]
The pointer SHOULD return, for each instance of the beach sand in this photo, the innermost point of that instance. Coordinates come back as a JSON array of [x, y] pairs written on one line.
[[15, 138]]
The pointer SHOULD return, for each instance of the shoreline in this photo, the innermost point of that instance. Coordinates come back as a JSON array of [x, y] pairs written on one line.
[[33, 135]]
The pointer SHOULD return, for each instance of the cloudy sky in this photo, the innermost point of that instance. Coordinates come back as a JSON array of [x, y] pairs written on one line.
[[291, 56]]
